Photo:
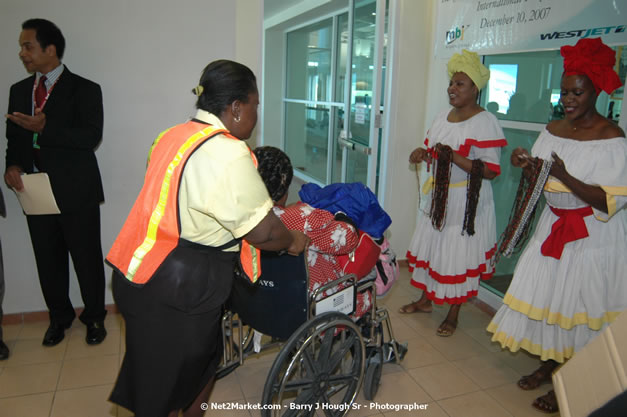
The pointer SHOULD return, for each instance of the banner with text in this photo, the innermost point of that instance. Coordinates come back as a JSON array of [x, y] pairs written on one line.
[[504, 26]]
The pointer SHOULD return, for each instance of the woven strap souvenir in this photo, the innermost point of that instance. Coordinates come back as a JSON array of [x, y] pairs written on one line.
[[473, 188], [439, 193], [527, 196]]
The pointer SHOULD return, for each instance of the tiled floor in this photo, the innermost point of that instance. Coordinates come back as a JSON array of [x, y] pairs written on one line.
[[461, 376]]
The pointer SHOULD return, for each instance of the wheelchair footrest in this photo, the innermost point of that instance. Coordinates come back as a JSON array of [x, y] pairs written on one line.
[[389, 355]]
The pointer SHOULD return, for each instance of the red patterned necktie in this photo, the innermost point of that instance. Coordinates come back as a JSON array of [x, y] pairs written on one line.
[[40, 92], [40, 97]]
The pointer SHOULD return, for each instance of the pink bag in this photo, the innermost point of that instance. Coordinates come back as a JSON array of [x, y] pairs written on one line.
[[387, 269]]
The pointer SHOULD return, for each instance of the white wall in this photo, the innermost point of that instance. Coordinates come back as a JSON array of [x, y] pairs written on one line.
[[272, 96], [147, 55], [417, 90]]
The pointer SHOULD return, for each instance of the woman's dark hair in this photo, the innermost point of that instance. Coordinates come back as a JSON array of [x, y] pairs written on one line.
[[222, 83], [275, 169], [46, 33]]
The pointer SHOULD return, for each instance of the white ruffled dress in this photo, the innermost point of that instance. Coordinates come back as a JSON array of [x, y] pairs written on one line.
[[555, 307], [446, 264]]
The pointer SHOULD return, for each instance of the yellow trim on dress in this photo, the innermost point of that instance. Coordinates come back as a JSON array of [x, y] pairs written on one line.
[[428, 185], [610, 193], [564, 322], [509, 342], [552, 186], [610, 200], [614, 190]]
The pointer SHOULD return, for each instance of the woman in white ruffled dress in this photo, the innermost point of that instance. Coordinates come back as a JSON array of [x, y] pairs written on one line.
[[448, 264], [569, 283]]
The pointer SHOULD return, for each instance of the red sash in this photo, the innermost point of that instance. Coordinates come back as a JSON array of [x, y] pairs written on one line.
[[569, 227]]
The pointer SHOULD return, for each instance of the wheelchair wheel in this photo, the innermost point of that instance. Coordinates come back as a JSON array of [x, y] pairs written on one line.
[[373, 374], [374, 364], [319, 370]]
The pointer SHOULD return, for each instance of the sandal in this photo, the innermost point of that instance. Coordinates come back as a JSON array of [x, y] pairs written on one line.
[[415, 307], [447, 328], [538, 377], [547, 403]]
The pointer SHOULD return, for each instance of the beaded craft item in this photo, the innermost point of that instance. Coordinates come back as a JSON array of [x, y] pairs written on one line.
[[528, 194], [473, 188], [440, 187]]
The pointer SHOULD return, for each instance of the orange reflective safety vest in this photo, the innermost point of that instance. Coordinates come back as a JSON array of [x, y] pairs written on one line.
[[152, 230]]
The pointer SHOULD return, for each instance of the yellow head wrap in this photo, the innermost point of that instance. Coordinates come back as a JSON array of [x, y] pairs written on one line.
[[469, 63]]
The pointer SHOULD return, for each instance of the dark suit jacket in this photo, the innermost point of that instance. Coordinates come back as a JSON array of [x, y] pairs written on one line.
[[74, 119]]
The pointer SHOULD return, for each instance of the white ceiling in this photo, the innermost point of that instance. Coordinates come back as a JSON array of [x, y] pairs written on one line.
[[272, 7]]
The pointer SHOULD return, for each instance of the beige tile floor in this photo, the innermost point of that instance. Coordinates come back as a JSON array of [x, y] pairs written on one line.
[[461, 376]]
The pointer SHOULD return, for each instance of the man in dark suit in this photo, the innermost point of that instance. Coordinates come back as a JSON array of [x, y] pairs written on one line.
[[54, 124], [4, 349]]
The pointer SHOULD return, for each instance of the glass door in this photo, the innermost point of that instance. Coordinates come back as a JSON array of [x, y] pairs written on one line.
[[359, 139], [333, 99], [310, 104]]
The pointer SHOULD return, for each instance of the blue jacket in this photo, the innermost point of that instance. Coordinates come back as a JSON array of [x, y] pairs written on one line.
[[354, 199]]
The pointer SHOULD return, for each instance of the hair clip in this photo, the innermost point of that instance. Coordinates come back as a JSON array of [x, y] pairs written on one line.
[[198, 90]]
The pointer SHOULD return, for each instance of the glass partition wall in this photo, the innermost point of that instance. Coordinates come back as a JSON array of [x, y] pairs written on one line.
[[334, 74], [523, 93], [312, 98]]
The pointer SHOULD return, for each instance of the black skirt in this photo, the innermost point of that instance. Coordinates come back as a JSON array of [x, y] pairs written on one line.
[[173, 332]]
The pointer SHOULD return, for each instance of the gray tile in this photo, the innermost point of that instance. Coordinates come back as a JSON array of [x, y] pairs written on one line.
[[478, 404]]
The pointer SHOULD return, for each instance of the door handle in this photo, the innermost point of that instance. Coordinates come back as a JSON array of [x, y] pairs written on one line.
[[353, 146]]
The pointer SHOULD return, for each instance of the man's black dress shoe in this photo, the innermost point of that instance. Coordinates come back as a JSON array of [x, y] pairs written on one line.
[[96, 333], [4, 351], [55, 334]]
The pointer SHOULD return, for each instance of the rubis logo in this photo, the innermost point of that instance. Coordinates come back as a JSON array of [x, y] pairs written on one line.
[[455, 34]]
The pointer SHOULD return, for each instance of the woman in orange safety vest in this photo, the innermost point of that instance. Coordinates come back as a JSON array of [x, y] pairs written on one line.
[[173, 259]]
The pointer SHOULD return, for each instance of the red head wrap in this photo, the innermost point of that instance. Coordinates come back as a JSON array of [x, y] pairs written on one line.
[[594, 59]]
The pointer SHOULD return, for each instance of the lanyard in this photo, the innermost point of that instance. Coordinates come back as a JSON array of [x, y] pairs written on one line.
[[35, 83]]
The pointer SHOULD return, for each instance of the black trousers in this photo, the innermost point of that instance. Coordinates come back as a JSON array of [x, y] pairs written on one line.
[[77, 234], [173, 329], [1, 288]]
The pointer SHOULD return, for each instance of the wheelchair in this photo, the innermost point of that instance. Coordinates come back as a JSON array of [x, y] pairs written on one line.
[[326, 356]]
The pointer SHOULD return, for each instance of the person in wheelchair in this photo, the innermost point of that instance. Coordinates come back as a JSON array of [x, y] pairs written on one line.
[[330, 235]]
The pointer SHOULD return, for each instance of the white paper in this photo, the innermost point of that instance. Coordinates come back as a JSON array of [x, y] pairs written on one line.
[[37, 197], [342, 301], [257, 341], [360, 113]]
